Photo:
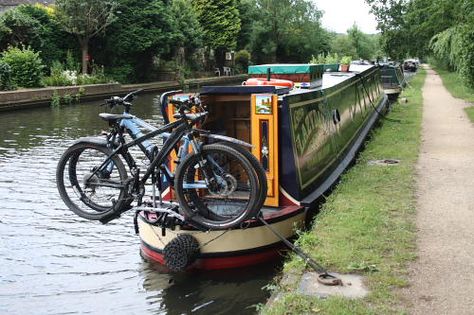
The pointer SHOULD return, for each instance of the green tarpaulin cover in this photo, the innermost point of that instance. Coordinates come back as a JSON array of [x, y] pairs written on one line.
[[286, 68]]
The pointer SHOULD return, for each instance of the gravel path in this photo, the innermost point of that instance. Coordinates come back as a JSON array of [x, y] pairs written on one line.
[[442, 278]]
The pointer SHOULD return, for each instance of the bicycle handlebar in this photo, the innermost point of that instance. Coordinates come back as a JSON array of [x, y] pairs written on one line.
[[184, 108], [187, 104], [125, 101], [131, 95]]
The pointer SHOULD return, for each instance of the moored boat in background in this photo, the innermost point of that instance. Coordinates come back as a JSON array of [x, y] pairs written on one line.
[[393, 80]]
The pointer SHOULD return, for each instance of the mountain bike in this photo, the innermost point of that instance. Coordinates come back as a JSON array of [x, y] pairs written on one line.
[[217, 185]]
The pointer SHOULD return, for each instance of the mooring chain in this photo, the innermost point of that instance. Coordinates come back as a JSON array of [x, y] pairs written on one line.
[[215, 238]]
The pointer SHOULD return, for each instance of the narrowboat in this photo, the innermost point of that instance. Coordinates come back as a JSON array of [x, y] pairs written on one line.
[[304, 138], [393, 80]]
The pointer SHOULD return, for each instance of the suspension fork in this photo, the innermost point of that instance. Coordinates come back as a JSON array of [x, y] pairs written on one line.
[[210, 171], [190, 139], [109, 167]]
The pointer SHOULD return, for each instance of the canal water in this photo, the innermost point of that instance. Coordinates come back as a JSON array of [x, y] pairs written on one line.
[[53, 262]]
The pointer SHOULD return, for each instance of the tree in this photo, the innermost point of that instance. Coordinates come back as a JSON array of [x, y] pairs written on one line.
[[142, 33], [220, 22], [454, 46], [343, 46], [17, 27], [365, 46], [441, 28], [248, 14], [424, 19], [35, 26], [390, 16], [288, 31], [85, 19], [189, 33]]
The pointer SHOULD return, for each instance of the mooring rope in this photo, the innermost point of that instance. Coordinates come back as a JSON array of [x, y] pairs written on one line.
[[324, 277], [215, 238]]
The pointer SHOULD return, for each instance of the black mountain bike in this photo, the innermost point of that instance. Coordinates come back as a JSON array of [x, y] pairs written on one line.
[[217, 185]]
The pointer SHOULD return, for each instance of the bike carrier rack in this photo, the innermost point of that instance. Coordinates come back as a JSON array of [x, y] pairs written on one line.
[[170, 209]]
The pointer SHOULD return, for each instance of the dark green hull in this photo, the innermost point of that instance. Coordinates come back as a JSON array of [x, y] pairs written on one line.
[[393, 79]]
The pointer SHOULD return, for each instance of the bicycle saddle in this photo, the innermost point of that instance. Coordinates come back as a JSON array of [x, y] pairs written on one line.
[[113, 117]]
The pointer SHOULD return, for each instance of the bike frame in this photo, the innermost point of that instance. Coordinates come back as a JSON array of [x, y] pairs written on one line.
[[133, 125], [180, 130]]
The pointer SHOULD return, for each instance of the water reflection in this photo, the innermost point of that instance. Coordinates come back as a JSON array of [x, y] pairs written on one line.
[[217, 292], [53, 262]]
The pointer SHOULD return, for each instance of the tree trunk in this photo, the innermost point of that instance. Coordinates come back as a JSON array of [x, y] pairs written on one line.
[[219, 55], [84, 43]]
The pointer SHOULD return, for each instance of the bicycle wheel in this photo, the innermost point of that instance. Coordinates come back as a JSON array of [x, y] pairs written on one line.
[[259, 172], [91, 196], [218, 188]]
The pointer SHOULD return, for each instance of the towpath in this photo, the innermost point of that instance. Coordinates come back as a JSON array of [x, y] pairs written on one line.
[[442, 278]]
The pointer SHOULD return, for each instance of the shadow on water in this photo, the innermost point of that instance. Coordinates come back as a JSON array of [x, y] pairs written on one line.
[[53, 262]]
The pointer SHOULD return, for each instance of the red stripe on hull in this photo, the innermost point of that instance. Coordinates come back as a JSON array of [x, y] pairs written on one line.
[[217, 263]]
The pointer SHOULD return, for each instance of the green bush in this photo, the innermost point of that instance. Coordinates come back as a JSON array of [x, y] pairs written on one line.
[[58, 76], [5, 77], [97, 76], [65, 75], [68, 99], [26, 65], [325, 59], [122, 73], [319, 59], [242, 60], [55, 99], [332, 59]]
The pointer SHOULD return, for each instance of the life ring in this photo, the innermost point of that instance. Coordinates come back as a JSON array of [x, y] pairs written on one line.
[[272, 82]]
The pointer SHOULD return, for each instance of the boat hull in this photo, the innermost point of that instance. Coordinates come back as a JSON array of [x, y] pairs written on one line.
[[234, 248]]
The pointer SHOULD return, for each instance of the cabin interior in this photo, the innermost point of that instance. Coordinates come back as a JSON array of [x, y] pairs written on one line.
[[229, 115]]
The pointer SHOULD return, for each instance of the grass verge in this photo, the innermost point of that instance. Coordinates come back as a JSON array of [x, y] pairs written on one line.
[[470, 112], [366, 225], [453, 82]]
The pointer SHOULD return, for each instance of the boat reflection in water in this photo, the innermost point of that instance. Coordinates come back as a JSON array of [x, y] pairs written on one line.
[[211, 292], [304, 138]]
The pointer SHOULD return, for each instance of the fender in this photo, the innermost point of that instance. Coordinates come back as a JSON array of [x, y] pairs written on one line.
[[226, 139], [94, 140]]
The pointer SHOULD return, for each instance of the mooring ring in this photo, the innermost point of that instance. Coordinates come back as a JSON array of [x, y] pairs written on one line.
[[328, 279]]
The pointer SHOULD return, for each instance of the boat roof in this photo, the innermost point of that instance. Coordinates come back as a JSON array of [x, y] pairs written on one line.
[[244, 89], [329, 80]]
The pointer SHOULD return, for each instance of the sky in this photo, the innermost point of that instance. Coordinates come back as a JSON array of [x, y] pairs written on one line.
[[339, 15]]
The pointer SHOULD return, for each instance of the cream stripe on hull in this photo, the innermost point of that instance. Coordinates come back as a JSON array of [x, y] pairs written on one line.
[[225, 242]]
